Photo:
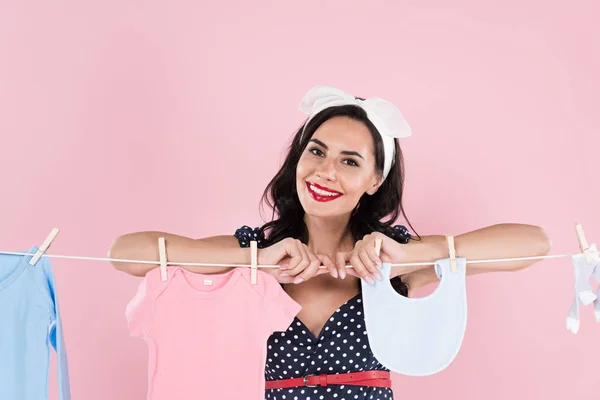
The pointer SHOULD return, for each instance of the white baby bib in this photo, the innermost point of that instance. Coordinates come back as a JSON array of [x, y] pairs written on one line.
[[417, 337]]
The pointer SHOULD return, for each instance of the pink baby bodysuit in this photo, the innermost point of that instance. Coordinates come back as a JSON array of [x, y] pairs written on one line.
[[207, 334]]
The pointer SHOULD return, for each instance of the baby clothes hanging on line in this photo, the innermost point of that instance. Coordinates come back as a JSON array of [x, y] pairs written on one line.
[[584, 294], [207, 334], [422, 336], [30, 324]]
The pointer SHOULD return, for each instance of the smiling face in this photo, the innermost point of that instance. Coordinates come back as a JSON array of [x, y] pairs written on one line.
[[336, 168]]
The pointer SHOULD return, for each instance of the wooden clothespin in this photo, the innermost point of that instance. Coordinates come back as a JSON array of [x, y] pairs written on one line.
[[42, 249], [162, 254], [253, 261], [583, 245], [377, 246], [452, 252]]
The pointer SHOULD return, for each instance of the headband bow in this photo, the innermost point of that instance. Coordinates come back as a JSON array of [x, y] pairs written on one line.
[[384, 115]]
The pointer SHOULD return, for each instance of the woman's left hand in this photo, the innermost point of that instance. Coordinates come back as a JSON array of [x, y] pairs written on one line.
[[365, 261]]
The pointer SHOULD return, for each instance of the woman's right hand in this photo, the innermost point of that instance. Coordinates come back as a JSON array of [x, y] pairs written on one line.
[[296, 262]]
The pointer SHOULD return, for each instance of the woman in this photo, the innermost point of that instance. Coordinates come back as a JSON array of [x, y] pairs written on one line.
[[342, 176]]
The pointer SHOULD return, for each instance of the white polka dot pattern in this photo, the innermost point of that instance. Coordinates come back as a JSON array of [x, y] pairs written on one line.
[[245, 235], [342, 346]]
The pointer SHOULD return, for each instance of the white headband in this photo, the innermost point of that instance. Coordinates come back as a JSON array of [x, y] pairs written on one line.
[[384, 115]]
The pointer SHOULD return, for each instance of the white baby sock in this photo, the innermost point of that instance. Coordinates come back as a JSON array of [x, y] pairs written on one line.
[[597, 300], [584, 294], [573, 317]]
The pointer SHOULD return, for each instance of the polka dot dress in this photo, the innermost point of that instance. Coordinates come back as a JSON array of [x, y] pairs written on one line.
[[341, 347]]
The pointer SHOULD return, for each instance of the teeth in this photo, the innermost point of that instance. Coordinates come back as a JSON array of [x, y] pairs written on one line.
[[322, 192]]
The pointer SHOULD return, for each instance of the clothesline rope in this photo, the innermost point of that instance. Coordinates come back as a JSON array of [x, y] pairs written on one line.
[[277, 266]]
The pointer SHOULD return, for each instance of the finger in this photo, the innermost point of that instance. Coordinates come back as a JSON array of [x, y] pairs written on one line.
[[360, 269], [280, 273], [363, 258], [284, 277], [341, 259], [312, 267], [302, 263], [370, 249], [329, 264], [309, 271], [284, 264], [369, 264], [293, 255], [352, 272]]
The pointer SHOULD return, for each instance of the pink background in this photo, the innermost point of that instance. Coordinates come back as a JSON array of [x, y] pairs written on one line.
[[173, 116]]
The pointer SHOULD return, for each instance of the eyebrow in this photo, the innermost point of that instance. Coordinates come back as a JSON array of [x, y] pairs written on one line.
[[347, 152]]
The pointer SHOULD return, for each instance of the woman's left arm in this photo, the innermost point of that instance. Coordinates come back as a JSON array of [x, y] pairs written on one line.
[[492, 242]]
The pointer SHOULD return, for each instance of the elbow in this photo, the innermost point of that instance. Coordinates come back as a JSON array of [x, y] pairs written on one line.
[[545, 243], [113, 253], [536, 240], [542, 244], [117, 251]]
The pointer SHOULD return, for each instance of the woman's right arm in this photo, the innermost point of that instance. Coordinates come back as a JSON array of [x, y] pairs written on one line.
[[224, 249]]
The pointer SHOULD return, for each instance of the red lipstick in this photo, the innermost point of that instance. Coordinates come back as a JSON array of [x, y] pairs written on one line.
[[319, 197]]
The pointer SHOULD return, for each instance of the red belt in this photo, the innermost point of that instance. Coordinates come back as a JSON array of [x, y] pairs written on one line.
[[366, 378]]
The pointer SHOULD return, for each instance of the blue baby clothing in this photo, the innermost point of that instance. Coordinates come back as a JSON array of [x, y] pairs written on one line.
[[29, 326]]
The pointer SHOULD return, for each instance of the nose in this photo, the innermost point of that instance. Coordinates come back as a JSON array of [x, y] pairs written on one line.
[[326, 170]]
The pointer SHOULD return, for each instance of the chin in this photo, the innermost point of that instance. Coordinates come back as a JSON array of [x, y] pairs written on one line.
[[321, 210], [319, 213]]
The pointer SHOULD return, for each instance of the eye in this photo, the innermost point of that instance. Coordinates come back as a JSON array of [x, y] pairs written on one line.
[[316, 151], [353, 163]]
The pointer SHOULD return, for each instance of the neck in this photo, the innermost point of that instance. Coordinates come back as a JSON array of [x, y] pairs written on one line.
[[328, 235]]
